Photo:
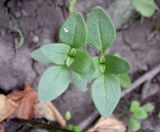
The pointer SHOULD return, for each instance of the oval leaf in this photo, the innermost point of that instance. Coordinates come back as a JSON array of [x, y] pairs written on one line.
[[82, 63], [101, 31], [38, 56], [125, 80], [140, 114], [57, 53], [135, 106], [145, 7], [73, 32], [54, 82], [116, 65], [149, 107], [106, 93], [134, 124]]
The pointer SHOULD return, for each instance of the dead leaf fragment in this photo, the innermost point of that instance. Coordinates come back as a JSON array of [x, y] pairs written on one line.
[[48, 110], [108, 124], [26, 107], [6, 108], [24, 104]]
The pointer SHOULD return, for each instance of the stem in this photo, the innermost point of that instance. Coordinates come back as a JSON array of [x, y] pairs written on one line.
[[142, 19], [41, 125]]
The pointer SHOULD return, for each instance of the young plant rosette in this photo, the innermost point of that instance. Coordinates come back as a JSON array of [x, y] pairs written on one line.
[[71, 62]]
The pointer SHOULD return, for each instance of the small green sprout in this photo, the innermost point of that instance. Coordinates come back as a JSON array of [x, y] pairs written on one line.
[[71, 63], [69, 126], [68, 115], [138, 113], [72, 5], [21, 36]]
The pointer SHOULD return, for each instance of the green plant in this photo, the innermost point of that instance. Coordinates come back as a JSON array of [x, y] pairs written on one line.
[[145, 7], [69, 126], [71, 5], [125, 79], [74, 64], [17, 30], [106, 83], [138, 113]]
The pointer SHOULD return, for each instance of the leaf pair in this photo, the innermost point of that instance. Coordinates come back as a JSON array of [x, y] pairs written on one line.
[[106, 86], [138, 113], [69, 57]]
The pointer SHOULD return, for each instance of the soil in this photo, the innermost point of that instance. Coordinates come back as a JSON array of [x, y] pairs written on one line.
[[39, 22]]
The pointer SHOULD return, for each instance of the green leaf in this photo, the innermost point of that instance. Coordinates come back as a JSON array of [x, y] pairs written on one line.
[[145, 7], [73, 32], [21, 36], [137, 110], [68, 115], [57, 53], [140, 114], [125, 80], [38, 56], [71, 5], [79, 82], [116, 65], [74, 128], [134, 124], [106, 93], [82, 63], [101, 31], [149, 107], [135, 105], [54, 82]]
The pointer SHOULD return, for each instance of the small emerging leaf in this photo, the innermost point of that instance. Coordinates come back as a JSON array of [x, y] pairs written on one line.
[[106, 93], [135, 105], [140, 114], [116, 65], [82, 63], [134, 124], [125, 80], [21, 36], [68, 115], [71, 5], [38, 56], [101, 31], [73, 32], [149, 107], [54, 82], [57, 53]]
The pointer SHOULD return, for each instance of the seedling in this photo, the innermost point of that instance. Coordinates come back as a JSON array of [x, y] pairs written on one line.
[[138, 113], [73, 64], [145, 7], [69, 126], [17, 30]]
